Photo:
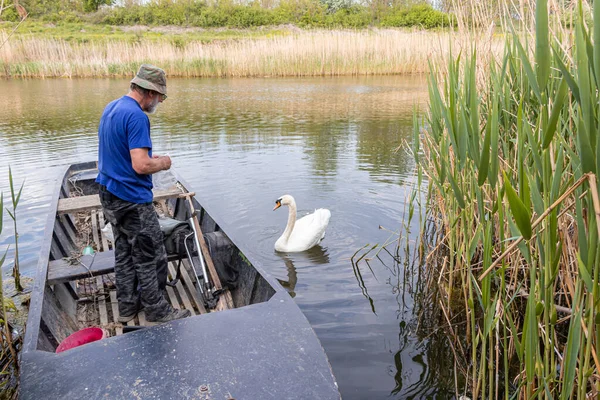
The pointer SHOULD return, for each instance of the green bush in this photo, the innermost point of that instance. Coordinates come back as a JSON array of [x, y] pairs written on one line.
[[10, 14], [352, 17], [422, 15]]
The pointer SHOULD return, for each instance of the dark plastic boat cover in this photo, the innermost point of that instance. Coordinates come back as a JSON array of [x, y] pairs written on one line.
[[263, 351]]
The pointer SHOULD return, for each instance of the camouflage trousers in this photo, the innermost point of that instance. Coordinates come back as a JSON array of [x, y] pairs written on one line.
[[140, 256]]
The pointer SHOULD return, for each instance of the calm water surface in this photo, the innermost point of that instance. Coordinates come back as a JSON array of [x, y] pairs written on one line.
[[241, 144]]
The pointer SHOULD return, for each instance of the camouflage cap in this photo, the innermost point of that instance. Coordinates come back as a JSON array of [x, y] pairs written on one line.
[[151, 78]]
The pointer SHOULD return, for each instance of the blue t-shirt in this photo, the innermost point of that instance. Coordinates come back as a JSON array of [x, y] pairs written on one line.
[[123, 127]]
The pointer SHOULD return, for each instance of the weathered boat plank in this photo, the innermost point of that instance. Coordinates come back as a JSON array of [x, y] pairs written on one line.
[[142, 318], [39, 289], [184, 297], [192, 288], [102, 301], [92, 202], [95, 230], [69, 228], [63, 270], [57, 321], [173, 298], [115, 311]]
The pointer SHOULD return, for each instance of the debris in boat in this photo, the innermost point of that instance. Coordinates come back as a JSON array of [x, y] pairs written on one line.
[[108, 232]]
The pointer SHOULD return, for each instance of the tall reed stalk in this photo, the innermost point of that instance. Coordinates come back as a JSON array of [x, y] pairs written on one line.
[[512, 156], [15, 197]]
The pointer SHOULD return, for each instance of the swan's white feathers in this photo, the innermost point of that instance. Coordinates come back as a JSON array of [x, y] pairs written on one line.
[[308, 231]]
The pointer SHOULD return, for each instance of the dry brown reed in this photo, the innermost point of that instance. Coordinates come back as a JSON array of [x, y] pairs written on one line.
[[305, 53]]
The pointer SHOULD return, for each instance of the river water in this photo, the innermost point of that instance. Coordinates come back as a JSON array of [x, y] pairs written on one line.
[[241, 144]]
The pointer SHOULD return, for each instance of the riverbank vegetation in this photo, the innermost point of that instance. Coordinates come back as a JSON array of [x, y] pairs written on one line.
[[510, 245], [12, 317], [193, 38], [286, 53]]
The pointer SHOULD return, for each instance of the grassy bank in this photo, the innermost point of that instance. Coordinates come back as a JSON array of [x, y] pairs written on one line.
[[512, 153], [272, 52]]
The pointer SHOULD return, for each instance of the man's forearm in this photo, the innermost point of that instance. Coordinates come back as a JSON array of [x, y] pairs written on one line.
[[151, 166]]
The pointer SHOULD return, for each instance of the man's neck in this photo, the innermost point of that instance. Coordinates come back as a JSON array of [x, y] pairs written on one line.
[[136, 96]]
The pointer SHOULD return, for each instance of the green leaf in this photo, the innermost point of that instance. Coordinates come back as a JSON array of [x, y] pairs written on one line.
[[572, 351], [530, 335], [528, 70], [585, 274], [535, 154], [457, 192], [463, 139], [524, 191], [555, 262], [489, 316], [521, 215], [19, 195], [542, 46], [493, 173], [588, 159], [537, 200], [559, 99], [583, 77], [515, 336], [416, 136], [567, 75], [557, 174], [484, 163], [10, 181], [474, 105], [596, 28], [474, 241]]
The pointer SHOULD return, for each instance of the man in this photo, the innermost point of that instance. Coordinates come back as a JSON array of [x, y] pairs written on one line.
[[126, 165]]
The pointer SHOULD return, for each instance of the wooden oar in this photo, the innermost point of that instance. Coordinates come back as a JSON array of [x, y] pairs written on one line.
[[225, 300]]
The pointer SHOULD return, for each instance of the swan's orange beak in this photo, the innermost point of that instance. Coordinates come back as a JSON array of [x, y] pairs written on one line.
[[277, 205]]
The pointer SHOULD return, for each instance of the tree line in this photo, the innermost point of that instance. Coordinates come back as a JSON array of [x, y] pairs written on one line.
[[235, 14]]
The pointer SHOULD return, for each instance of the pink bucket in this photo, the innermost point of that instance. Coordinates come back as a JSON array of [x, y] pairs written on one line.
[[84, 336]]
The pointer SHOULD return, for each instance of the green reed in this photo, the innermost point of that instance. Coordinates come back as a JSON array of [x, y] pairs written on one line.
[[512, 160], [15, 197]]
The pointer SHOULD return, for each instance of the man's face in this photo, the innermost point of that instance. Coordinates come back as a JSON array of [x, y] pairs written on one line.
[[152, 102]]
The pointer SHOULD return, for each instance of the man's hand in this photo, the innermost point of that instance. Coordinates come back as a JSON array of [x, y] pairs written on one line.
[[144, 165], [166, 161]]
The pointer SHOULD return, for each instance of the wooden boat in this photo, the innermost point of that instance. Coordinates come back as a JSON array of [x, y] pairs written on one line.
[[255, 344]]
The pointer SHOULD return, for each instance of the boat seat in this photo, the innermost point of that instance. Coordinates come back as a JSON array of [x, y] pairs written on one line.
[[59, 271], [64, 270], [92, 202]]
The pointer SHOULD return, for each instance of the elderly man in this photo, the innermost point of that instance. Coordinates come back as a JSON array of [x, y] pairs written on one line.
[[126, 165]]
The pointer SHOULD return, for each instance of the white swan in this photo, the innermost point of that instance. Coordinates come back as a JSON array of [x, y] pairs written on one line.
[[304, 233]]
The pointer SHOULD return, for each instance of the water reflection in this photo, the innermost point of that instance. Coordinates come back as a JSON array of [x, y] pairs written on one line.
[[313, 256], [292, 277]]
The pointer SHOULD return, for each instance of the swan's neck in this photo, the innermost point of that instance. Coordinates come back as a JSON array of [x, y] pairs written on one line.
[[291, 222]]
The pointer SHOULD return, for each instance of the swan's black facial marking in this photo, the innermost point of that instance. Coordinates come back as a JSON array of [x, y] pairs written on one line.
[[277, 204]]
